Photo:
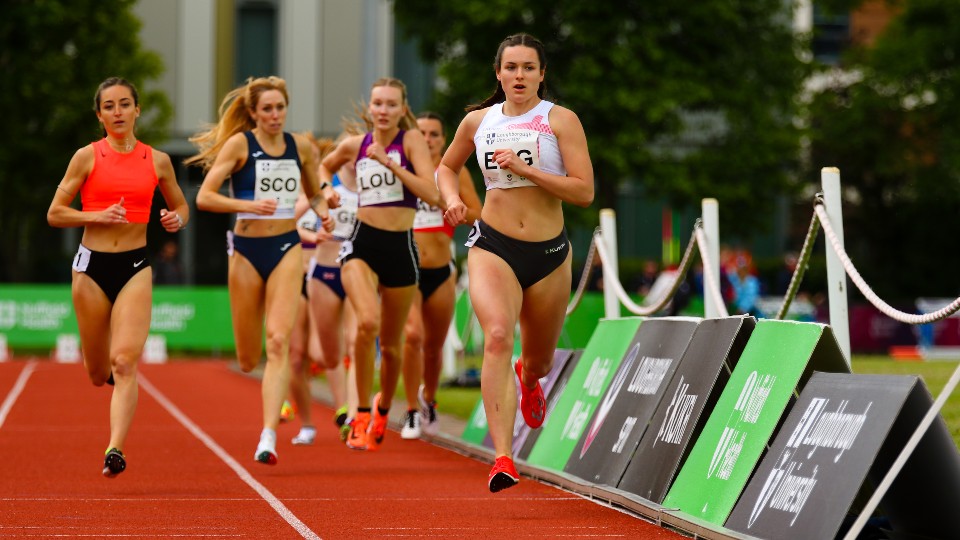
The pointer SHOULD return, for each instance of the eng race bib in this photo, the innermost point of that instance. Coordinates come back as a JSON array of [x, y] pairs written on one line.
[[278, 179], [521, 141], [377, 184]]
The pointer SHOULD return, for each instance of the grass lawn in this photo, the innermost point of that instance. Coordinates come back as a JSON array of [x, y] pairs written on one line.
[[934, 374], [460, 402]]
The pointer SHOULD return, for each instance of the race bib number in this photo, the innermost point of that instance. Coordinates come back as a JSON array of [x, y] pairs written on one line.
[[278, 179], [427, 217], [523, 142], [344, 216], [308, 221], [377, 184]]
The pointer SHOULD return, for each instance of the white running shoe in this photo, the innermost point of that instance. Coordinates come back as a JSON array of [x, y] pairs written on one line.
[[429, 420], [306, 436], [411, 426], [267, 448]]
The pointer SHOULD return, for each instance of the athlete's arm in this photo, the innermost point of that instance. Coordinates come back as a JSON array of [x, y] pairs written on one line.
[[231, 157], [309, 183], [456, 155], [421, 181], [468, 194], [177, 218], [61, 214], [344, 152]]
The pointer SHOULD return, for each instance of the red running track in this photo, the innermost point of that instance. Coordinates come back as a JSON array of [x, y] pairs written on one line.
[[191, 471]]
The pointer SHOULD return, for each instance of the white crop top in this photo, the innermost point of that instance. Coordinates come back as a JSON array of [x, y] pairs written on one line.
[[529, 135]]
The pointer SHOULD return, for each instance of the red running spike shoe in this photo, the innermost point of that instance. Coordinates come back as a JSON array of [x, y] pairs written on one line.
[[532, 403], [503, 475]]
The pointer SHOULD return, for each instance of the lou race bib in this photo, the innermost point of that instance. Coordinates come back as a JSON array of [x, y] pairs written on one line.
[[377, 184]]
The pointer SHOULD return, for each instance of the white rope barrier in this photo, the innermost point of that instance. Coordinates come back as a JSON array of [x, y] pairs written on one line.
[[867, 292], [618, 287], [710, 285]]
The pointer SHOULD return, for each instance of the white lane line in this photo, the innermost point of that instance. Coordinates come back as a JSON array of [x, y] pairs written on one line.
[[244, 475], [15, 391]]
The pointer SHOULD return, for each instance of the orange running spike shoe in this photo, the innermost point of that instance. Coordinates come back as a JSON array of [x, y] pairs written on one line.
[[358, 438]]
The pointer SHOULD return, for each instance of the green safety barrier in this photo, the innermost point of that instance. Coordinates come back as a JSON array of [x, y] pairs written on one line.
[[476, 428], [587, 384], [778, 358], [190, 318]]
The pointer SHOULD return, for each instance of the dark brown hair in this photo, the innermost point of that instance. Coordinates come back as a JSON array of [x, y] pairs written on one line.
[[525, 40], [115, 81]]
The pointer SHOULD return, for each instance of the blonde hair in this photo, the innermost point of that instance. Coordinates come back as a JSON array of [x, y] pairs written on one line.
[[234, 116], [363, 123], [323, 145]]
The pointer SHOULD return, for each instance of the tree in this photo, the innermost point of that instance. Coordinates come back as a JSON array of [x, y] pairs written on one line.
[[54, 54], [893, 129], [687, 99]]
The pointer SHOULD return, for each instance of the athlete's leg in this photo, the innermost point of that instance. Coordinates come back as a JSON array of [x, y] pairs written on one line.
[[93, 322], [396, 307], [326, 309], [437, 315], [246, 289], [496, 297], [413, 352], [541, 322], [300, 363], [360, 282], [282, 291], [129, 327]]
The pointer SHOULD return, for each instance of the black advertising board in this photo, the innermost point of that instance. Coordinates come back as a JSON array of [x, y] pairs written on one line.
[[555, 392], [607, 445], [696, 385], [843, 431]]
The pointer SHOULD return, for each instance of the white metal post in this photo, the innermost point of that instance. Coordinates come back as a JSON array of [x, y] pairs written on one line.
[[710, 212], [836, 275], [608, 231]]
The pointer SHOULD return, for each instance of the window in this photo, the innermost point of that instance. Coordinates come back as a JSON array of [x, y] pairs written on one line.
[[256, 40]]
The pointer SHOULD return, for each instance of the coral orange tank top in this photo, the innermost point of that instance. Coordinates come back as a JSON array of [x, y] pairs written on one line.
[[130, 176]]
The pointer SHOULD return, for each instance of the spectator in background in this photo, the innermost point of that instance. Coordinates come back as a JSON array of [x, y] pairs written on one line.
[[649, 272], [746, 286], [168, 270], [785, 274]]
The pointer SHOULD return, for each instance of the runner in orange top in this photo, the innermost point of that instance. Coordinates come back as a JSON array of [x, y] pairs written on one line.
[[112, 281]]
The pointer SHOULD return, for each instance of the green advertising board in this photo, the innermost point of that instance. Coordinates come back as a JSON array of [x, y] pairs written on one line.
[[476, 428], [777, 357], [587, 384], [190, 318]]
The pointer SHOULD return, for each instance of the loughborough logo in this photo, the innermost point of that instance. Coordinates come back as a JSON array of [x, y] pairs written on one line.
[[491, 136], [789, 485]]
